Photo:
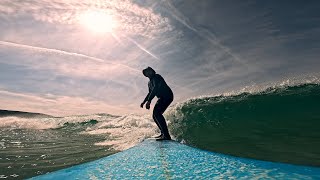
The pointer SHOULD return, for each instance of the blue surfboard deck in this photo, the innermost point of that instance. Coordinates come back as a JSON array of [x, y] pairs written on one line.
[[171, 160]]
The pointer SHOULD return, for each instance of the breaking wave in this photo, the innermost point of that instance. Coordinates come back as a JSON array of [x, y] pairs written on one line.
[[277, 124]]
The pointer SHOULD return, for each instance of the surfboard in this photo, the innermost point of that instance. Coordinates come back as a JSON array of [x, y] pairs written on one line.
[[171, 160]]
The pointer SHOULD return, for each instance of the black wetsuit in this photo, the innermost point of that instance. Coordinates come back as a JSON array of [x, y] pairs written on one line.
[[158, 87]]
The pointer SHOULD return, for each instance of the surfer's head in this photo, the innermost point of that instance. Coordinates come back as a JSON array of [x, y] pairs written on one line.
[[148, 72]]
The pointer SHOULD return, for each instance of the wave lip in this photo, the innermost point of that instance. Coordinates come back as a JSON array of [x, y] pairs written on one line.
[[277, 124]]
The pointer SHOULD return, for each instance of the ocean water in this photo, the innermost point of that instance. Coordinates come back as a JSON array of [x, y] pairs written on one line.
[[279, 123], [34, 146]]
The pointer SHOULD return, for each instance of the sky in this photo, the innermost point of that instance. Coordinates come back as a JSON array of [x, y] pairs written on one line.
[[68, 57]]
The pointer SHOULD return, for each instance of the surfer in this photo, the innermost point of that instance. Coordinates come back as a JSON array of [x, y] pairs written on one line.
[[158, 87]]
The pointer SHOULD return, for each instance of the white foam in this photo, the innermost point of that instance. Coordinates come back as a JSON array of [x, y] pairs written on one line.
[[26, 123], [46, 123], [121, 132], [125, 131]]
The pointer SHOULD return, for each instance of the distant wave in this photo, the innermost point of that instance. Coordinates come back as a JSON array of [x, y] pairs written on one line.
[[276, 124], [5, 113]]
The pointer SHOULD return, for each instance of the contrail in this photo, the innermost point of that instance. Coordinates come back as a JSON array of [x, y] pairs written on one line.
[[43, 49], [142, 48], [204, 34]]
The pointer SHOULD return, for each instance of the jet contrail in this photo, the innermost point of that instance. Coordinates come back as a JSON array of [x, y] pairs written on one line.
[[43, 49], [142, 48], [205, 34]]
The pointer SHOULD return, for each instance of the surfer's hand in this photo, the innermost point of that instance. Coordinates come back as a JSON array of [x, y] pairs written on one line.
[[141, 105], [148, 105]]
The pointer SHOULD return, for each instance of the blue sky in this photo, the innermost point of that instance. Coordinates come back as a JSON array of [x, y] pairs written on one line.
[[67, 57]]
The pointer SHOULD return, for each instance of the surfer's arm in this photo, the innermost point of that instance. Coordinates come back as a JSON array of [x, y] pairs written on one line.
[[149, 88], [146, 98], [154, 89]]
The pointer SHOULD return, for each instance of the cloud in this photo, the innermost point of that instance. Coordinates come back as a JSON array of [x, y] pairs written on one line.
[[55, 105], [61, 72], [68, 63], [132, 19]]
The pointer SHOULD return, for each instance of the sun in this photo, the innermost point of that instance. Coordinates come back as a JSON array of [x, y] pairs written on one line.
[[97, 21]]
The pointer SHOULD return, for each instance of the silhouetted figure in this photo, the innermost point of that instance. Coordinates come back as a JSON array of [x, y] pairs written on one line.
[[158, 87]]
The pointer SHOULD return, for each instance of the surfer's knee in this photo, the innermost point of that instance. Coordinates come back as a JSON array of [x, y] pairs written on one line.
[[154, 116], [156, 113]]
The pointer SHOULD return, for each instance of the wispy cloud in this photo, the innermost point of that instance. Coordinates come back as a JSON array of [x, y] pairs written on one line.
[[132, 18], [54, 105], [202, 32], [65, 53]]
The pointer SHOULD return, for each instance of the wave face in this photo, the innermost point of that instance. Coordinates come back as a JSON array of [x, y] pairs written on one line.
[[278, 124]]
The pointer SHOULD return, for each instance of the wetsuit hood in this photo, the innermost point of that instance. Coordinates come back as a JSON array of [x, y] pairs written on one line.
[[150, 70]]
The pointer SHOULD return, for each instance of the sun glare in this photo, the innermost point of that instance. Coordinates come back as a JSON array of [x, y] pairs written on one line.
[[97, 21]]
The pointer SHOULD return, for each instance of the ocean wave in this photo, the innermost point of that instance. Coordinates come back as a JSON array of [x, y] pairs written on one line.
[[125, 131], [121, 132], [276, 123], [279, 123], [14, 122]]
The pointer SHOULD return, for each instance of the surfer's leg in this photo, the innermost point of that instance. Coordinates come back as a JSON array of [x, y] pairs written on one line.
[[162, 123], [156, 121], [155, 111], [158, 110]]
